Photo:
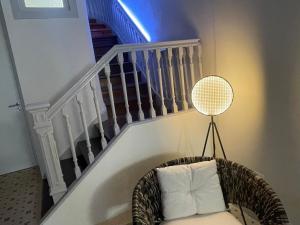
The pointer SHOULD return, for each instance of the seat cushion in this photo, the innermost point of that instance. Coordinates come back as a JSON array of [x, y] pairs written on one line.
[[190, 189], [221, 218]]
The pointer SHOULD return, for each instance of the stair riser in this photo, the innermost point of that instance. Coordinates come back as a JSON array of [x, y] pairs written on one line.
[[105, 42], [97, 26], [101, 34], [116, 80], [133, 107], [115, 69], [100, 51], [119, 97], [92, 20], [114, 60]]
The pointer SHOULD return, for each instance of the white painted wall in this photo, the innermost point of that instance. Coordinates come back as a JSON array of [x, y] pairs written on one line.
[[105, 191], [15, 147], [50, 54], [257, 49]]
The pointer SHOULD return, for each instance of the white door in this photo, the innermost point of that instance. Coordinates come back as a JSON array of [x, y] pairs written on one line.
[[15, 146]]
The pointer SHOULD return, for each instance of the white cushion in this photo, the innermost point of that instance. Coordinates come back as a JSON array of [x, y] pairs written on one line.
[[206, 188], [175, 185], [221, 218], [190, 189]]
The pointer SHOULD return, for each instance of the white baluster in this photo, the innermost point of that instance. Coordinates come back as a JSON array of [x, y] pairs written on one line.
[[137, 88], [174, 104], [200, 60], [121, 62], [111, 97], [191, 54], [186, 75], [158, 58], [181, 61], [98, 111], [84, 124], [71, 140], [146, 57], [152, 70]]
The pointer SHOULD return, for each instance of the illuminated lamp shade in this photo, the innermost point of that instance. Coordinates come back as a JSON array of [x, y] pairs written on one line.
[[212, 95]]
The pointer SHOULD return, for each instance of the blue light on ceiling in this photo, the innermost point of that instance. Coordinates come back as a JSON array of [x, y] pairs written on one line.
[[135, 21]]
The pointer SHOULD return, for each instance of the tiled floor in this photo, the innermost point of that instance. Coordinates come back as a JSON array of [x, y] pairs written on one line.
[[20, 197]]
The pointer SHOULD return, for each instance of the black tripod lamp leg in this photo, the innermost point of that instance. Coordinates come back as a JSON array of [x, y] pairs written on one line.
[[205, 143], [213, 136], [243, 216], [215, 126]]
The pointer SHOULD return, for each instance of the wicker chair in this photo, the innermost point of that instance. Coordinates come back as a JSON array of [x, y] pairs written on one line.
[[239, 184]]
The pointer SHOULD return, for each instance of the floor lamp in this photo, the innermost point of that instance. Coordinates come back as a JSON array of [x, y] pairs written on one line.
[[211, 96]]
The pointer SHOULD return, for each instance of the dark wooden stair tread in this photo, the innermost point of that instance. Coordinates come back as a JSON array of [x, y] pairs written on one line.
[[95, 145], [94, 25], [67, 167], [103, 38], [116, 81]]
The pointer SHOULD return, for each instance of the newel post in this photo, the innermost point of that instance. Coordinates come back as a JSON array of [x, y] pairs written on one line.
[[44, 129]]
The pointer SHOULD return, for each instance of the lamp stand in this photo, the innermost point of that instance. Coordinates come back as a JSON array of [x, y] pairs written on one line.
[[213, 127]]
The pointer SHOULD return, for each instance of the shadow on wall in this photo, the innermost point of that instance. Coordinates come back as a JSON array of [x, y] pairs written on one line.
[[280, 153], [122, 219], [113, 200], [178, 25], [258, 50]]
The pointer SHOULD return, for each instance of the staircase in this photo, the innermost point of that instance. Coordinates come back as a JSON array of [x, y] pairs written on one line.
[[126, 74], [103, 40], [140, 81], [129, 95]]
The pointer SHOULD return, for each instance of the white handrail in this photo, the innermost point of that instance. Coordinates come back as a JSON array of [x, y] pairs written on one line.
[[77, 87], [155, 45]]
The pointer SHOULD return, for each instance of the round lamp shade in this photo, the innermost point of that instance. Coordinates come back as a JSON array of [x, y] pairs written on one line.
[[212, 95]]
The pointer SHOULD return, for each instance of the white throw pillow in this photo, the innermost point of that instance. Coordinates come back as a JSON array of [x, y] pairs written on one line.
[[190, 189], [206, 188], [175, 185]]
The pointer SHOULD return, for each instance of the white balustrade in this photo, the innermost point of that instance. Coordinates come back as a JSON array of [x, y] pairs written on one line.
[[111, 97], [136, 82], [172, 84], [191, 61], [71, 141], [182, 80], [45, 117], [98, 111], [186, 66], [85, 128], [200, 60], [158, 58], [146, 57], [121, 64]]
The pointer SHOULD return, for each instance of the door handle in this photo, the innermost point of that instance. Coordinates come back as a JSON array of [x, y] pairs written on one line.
[[17, 106]]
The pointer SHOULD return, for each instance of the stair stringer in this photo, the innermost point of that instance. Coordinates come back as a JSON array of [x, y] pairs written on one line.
[[103, 192]]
